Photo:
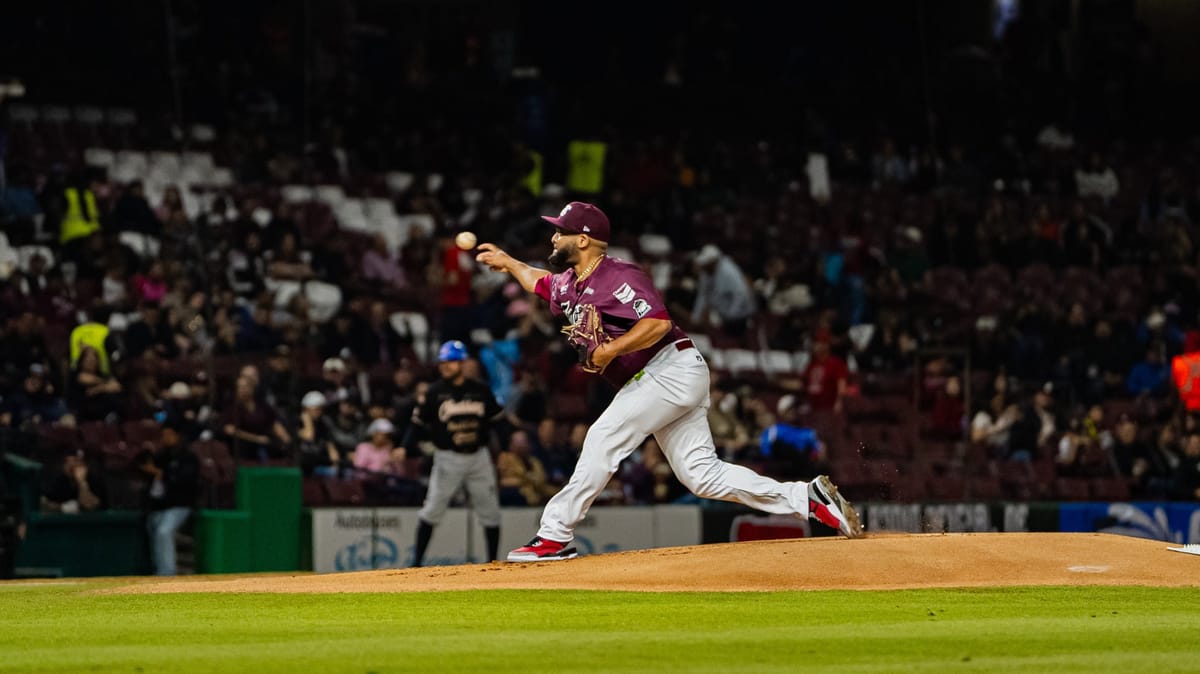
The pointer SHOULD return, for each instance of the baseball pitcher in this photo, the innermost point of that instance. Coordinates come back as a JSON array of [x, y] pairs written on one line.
[[456, 416], [619, 325]]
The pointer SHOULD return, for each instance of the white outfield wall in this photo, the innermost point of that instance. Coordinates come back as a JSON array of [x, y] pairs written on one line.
[[357, 539]]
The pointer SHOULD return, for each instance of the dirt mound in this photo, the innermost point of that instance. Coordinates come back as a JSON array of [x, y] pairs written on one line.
[[873, 563]]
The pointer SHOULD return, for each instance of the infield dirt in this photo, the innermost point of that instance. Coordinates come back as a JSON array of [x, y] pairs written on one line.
[[877, 562]]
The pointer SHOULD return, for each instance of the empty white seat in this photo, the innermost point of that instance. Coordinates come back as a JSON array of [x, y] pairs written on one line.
[[324, 300], [142, 244], [375, 207], [26, 253], [133, 158], [654, 244], [295, 194], [88, 114], [200, 159], [25, 114], [415, 325], [99, 156], [331, 194], [203, 133], [741, 360], [221, 177], [399, 181], [121, 117], [775, 362], [702, 343], [55, 113]]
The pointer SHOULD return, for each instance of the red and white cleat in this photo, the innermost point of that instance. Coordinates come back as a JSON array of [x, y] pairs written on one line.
[[828, 507], [542, 550]]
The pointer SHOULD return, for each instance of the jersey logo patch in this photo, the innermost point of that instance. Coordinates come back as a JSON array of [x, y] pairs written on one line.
[[641, 308], [624, 294]]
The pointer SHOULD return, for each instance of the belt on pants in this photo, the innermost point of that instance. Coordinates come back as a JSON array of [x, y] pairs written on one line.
[[681, 345]]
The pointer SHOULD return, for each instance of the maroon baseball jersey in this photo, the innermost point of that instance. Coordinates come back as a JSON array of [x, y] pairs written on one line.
[[624, 295]]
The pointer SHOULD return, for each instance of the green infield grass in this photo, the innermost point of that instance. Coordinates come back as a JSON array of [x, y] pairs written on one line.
[[64, 628]]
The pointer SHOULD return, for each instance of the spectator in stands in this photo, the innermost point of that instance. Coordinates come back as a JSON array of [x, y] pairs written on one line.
[[1035, 424], [252, 426], [824, 379], [172, 492], [400, 396], [948, 415], [1162, 463], [522, 477], [318, 454], [35, 402], [373, 340], [730, 435], [280, 379], [526, 407], [75, 488], [336, 382], [1131, 453], [724, 297], [1097, 179], [454, 272], [287, 262], [246, 269], [150, 286], [170, 205], [555, 452], [650, 479], [347, 426], [793, 450], [150, 332], [92, 394], [133, 213], [990, 425], [23, 342], [378, 454], [379, 265], [1185, 484], [1149, 377]]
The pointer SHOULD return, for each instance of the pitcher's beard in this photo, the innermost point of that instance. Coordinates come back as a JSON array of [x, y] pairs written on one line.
[[559, 260]]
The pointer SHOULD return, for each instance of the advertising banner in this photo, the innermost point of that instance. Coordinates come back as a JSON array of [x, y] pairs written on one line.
[[1172, 522]]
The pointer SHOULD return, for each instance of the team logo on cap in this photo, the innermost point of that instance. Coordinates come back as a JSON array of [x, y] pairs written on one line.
[[566, 209]]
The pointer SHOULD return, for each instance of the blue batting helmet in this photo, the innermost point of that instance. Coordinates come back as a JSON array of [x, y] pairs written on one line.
[[452, 350]]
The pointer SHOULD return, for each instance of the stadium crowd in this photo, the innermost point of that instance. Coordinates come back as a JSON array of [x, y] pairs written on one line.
[[958, 320]]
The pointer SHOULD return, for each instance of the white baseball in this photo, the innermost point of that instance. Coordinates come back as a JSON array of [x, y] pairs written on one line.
[[465, 240]]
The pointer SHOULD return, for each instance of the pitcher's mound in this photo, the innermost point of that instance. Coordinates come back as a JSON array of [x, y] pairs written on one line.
[[874, 563]]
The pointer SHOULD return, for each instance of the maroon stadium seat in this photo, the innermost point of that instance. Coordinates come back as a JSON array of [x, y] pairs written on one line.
[[1109, 489], [1071, 489]]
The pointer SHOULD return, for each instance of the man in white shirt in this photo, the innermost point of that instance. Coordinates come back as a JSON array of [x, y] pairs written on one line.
[[723, 290]]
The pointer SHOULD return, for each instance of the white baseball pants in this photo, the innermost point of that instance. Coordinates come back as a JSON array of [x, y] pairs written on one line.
[[669, 401], [452, 470]]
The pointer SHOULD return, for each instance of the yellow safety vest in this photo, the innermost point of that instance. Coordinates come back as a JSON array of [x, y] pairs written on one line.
[[585, 166], [93, 335], [533, 180], [81, 219]]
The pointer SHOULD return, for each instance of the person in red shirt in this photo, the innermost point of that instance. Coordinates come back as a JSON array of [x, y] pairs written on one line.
[[825, 379], [457, 267]]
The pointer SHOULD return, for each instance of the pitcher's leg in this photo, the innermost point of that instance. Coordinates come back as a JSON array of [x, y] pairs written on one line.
[[635, 412], [688, 445]]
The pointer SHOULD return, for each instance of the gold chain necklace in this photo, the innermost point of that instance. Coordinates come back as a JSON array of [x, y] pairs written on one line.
[[590, 268]]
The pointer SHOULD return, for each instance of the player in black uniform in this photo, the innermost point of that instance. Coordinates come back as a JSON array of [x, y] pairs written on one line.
[[456, 416]]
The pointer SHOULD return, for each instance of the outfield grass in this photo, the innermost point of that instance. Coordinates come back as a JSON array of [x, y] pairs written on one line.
[[64, 628]]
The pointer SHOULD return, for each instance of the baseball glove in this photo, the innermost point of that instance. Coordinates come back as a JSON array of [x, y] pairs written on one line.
[[585, 334]]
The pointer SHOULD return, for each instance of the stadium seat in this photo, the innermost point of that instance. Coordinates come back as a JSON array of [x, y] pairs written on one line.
[[1071, 489], [1109, 489], [344, 492], [136, 433]]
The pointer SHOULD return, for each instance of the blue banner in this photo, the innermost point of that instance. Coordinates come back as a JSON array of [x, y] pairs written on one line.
[[1172, 522]]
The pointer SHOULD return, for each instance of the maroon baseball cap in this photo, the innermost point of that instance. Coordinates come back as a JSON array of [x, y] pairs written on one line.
[[578, 217]]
